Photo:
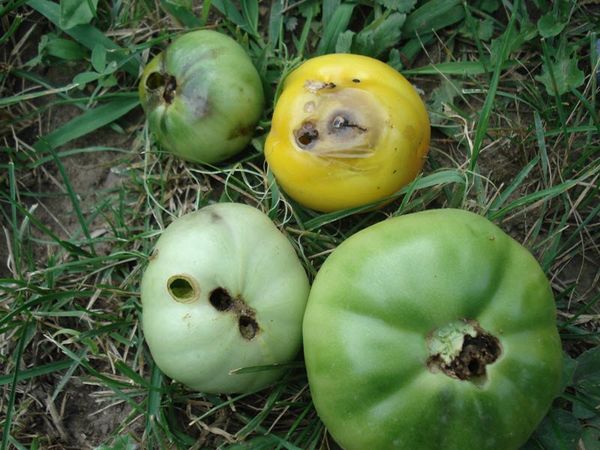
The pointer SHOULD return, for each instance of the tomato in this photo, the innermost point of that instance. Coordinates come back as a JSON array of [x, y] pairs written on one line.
[[347, 130], [223, 290], [202, 97], [433, 330]]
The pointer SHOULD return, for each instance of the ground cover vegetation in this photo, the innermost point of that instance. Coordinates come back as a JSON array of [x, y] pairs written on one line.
[[511, 88]]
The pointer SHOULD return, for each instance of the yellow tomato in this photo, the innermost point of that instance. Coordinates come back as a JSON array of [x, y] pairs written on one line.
[[347, 130]]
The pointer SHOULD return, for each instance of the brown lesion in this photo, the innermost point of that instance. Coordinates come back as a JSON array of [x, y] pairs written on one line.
[[307, 135], [223, 301], [162, 81], [240, 131], [471, 362], [339, 122]]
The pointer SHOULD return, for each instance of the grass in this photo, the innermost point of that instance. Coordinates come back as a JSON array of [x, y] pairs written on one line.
[[511, 88]]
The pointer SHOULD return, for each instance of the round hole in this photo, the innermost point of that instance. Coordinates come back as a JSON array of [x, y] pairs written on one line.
[[248, 327], [182, 288], [306, 135], [155, 81], [220, 299], [474, 367]]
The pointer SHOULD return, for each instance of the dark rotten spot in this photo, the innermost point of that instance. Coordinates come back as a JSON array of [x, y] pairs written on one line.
[[223, 301], [239, 131], [306, 135]]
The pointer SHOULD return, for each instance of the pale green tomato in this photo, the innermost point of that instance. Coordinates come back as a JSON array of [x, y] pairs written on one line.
[[224, 289], [202, 97]]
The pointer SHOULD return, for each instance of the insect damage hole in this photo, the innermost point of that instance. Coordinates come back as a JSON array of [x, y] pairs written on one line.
[[168, 83], [182, 288], [463, 351], [221, 299], [306, 135], [248, 327]]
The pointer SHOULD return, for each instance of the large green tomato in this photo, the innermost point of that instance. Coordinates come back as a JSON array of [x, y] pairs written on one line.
[[433, 330], [223, 290], [202, 97]]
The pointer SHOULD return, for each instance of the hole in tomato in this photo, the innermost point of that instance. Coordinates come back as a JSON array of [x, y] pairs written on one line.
[[155, 81], [221, 299], [164, 81], [248, 327], [468, 362], [170, 89], [182, 288], [342, 122], [306, 135]]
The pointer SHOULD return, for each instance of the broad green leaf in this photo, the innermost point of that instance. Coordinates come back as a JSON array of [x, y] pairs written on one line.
[[559, 430], [329, 9], [344, 42], [86, 35], [99, 58], [441, 97], [489, 6], [549, 26], [83, 78], [275, 21], [379, 36], [250, 12], [434, 15], [515, 42], [588, 366], [561, 75], [181, 11], [402, 6], [590, 438], [336, 26], [229, 10], [63, 49], [76, 12]]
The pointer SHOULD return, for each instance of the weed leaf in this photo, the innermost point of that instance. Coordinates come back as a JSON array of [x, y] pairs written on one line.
[[402, 6], [561, 76], [548, 26], [76, 12]]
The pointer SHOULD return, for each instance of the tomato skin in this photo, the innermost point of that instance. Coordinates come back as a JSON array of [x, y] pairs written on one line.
[[202, 97], [380, 148], [215, 275], [373, 307]]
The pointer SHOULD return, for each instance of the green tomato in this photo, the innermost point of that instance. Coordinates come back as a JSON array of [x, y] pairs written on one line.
[[202, 97], [223, 290], [433, 330]]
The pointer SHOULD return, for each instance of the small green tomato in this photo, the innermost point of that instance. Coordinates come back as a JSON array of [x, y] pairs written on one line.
[[223, 290], [202, 97]]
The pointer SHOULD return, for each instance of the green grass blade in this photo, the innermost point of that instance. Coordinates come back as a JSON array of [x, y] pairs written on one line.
[[508, 191], [37, 371], [486, 110], [74, 200], [338, 24], [26, 330], [87, 122], [433, 15], [461, 68]]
